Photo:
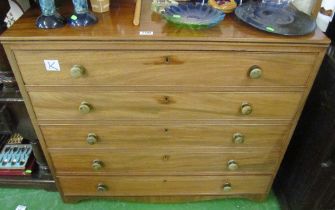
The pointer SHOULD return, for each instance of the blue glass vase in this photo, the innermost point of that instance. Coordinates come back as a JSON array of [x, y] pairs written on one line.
[[49, 18], [81, 16]]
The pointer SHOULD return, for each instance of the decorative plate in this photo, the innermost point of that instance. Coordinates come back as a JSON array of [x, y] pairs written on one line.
[[194, 16], [278, 19]]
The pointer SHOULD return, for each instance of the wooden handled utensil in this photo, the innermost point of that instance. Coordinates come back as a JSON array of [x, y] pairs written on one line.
[[137, 13]]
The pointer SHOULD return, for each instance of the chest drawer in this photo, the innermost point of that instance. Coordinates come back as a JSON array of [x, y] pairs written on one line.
[[161, 162], [164, 68], [163, 106], [164, 136], [160, 186]]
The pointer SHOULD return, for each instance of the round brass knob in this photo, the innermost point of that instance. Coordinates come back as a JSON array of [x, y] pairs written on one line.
[[84, 107], [77, 71], [238, 138], [232, 165], [227, 187], [91, 138], [102, 187], [255, 72], [97, 164], [246, 108]]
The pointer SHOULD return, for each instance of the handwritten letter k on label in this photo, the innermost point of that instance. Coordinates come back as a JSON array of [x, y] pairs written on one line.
[[52, 65]]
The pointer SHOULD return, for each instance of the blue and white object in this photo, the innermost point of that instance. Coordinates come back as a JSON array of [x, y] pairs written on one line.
[[82, 16], [50, 18], [17, 8], [15, 156], [80, 6]]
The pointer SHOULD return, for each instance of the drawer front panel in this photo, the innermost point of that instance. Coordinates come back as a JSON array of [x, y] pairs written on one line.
[[163, 106], [163, 136], [163, 162], [160, 186], [157, 68]]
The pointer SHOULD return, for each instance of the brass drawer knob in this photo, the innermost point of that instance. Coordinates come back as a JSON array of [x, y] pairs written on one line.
[[91, 138], [238, 138], [102, 187], [255, 72], [77, 71], [97, 165], [84, 107], [232, 165], [246, 108], [227, 187]]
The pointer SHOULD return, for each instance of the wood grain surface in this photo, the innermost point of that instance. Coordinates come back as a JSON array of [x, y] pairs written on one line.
[[165, 185], [143, 161], [163, 105], [164, 136], [166, 68]]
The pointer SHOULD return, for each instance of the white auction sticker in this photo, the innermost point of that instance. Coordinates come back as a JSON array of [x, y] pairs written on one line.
[[52, 65], [146, 33], [21, 207]]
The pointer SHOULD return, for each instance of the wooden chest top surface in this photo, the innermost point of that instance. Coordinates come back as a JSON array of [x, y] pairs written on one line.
[[116, 25]]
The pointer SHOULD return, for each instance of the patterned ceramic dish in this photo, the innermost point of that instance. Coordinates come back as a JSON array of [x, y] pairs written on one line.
[[194, 16], [227, 6]]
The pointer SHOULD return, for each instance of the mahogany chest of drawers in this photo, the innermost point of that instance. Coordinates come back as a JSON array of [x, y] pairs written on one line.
[[176, 115]]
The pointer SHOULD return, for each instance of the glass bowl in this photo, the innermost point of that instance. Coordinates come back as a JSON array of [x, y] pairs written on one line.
[[194, 16]]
